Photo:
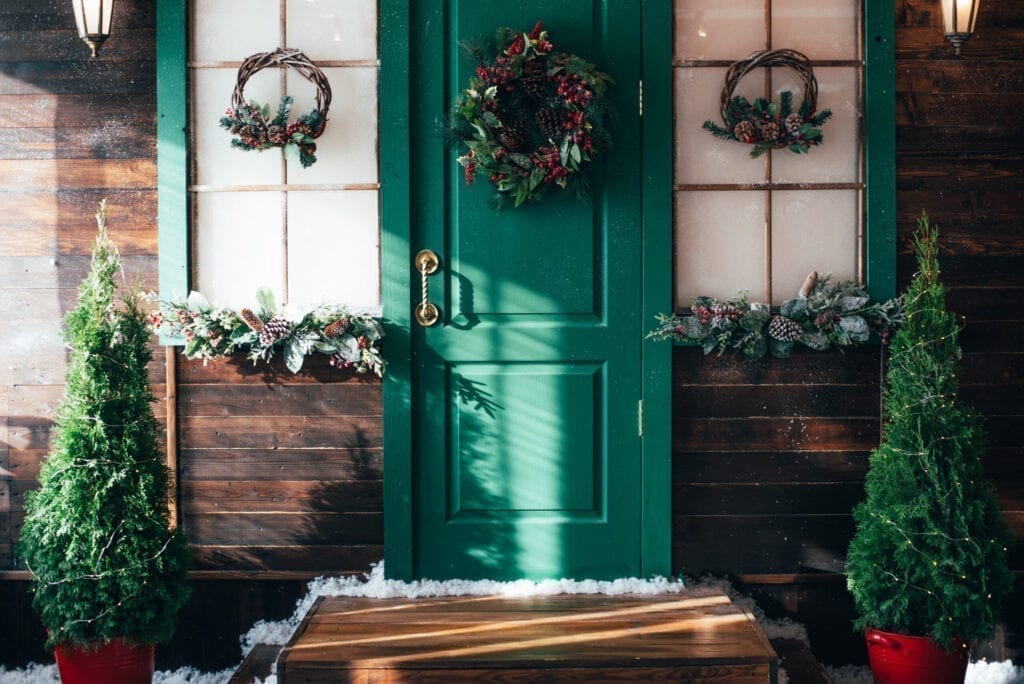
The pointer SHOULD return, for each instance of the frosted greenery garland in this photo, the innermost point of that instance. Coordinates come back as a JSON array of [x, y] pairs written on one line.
[[96, 539], [823, 316], [210, 332]]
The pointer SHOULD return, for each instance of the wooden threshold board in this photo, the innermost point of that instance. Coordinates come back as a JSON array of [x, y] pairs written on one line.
[[665, 638]]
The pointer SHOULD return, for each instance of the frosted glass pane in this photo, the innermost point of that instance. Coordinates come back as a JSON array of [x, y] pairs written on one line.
[[812, 230], [700, 156], [836, 160], [347, 151], [719, 245], [333, 249], [333, 29], [824, 29], [719, 29], [238, 246], [217, 162], [231, 30]]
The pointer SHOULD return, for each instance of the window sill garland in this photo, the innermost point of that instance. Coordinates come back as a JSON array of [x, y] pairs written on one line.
[[823, 316], [352, 341]]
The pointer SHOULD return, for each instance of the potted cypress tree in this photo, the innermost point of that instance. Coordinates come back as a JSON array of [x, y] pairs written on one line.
[[108, 572], [927, 565]]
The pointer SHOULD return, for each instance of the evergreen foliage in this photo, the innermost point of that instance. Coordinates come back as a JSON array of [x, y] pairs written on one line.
[[104, 562], [928, 557]]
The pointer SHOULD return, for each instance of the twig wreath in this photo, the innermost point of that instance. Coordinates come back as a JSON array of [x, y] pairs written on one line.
[[252, 123], [531, 117], [771, 125]]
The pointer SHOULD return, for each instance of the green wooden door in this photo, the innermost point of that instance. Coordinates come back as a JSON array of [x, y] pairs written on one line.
[[526, 453]]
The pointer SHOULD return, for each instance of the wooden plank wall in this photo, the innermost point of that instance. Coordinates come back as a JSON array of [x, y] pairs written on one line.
[[769, 458], [280, 473]]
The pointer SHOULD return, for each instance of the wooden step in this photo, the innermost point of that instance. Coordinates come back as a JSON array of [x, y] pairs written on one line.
[[799, 663], [257, 665], [530, 639]]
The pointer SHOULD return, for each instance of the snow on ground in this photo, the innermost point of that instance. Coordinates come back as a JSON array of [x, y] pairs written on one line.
[[375, 585], [47, 674]]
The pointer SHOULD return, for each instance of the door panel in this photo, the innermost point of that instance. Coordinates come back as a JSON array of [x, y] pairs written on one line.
[[526, 455]]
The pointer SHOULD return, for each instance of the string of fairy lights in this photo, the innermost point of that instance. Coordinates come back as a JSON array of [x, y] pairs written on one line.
[[903, 360]]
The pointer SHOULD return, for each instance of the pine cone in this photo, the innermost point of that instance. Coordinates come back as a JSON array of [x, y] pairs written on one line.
[[744, 132], [534, 78], [826, 318], [794, 122], [512, 135], [808, 287], [550, 122], [726, 311], [336, 328], [277, 135], [784, 329], [275, 329], [251, 319], [770, 131]]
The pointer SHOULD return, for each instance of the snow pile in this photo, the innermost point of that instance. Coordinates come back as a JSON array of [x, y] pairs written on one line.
[[375, 585], [47, 674], [983, 672], [850, 674], [980, 672]]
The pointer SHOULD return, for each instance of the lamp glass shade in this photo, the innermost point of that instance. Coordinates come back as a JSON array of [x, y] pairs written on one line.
[[93, 17], [958, 16]]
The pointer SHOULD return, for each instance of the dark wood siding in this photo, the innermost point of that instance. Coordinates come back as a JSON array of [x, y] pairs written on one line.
[[769, 458], [280, 474]]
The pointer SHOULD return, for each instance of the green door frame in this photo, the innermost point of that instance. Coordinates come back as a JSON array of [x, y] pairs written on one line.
[[398, 290]]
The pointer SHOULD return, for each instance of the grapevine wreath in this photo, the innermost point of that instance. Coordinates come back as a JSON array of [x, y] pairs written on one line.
[[251, 122], [531, 117], [771, 125]]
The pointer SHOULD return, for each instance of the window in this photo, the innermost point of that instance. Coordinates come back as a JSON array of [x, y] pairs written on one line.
[[259, 218], [762, 224]]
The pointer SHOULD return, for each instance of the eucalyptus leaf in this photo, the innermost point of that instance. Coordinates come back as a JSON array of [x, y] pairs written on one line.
[[265, 297], [291, 150], [294, 355], [197, 302], [536, 177], [794, 308], [692, 327], [856, 327], [521, 160], [852, 303], [817, 340], [574, 153], [781, 349], [709, 345]]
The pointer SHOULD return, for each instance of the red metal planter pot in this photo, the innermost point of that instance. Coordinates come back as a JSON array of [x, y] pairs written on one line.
[[112, 663], [901, 659]]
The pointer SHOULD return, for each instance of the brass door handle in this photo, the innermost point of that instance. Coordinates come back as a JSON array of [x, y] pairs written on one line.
[[427, 263]]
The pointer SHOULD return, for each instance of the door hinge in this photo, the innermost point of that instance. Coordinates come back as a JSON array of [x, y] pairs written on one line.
[[640, 418], [641, 97]]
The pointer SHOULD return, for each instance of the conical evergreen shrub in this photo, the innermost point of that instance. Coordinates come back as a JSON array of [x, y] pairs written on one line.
[[104, 562], [929, 554]]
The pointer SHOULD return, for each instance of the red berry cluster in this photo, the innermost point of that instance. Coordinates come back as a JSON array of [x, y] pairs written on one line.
[[497, 75], [547, 158], [574, 90], [703, 314]]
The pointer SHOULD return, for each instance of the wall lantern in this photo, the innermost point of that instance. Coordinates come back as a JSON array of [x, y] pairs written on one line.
[[958, 21], [93, 19]]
